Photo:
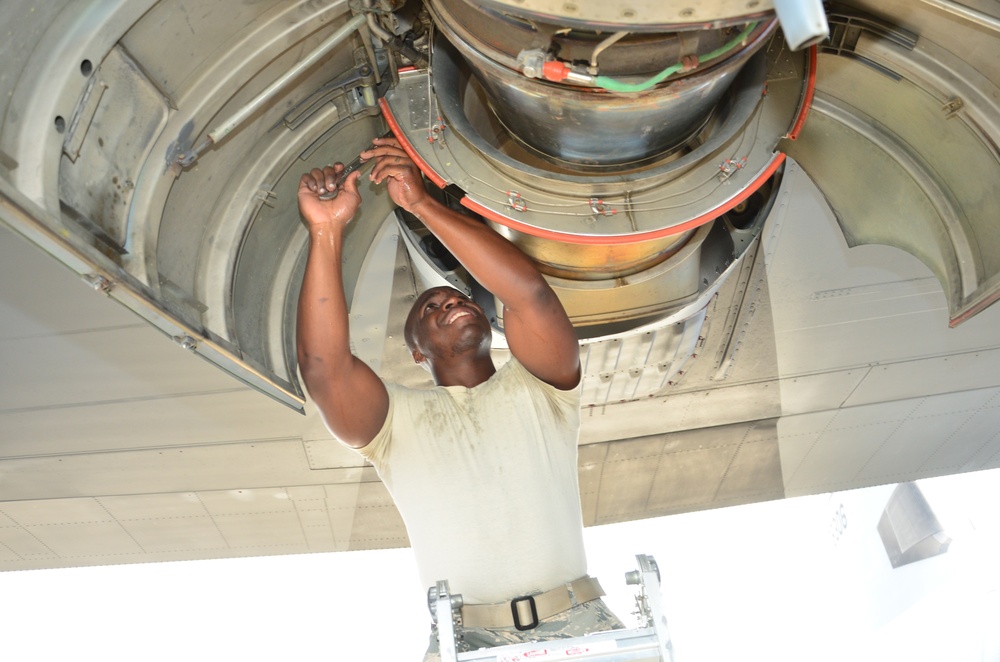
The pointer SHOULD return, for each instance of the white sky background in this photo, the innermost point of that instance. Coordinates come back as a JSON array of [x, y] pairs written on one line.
[[766, 581]]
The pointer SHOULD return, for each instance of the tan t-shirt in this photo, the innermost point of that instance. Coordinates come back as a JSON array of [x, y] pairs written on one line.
[[486, 481]]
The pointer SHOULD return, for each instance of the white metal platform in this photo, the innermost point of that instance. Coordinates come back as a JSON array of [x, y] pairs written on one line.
[[649, 643]]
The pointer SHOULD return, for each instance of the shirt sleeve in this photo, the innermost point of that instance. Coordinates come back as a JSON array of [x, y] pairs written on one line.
[[377, 450], [567, 402]]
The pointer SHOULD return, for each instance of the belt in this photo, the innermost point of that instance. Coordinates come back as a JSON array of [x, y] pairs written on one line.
[[525, 612]]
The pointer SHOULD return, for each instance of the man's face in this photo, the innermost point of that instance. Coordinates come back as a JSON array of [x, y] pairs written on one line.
[[444, 321]]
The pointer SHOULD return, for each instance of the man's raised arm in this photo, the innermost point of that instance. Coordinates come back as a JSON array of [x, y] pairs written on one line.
[[350, 396], [538, 331]]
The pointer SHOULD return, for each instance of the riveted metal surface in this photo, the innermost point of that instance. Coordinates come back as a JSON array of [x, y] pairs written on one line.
[[821, 365], [110, 144], [641, 14], [925, 122], [560, 202]]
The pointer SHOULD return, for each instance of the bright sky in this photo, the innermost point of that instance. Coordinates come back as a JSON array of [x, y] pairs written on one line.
[[784, 580]]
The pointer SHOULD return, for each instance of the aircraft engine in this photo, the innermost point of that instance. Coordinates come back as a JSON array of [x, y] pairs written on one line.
[[631, 149], [631, 153]]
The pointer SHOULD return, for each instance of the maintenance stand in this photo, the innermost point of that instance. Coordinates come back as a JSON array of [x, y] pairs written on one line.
[[648, 643]]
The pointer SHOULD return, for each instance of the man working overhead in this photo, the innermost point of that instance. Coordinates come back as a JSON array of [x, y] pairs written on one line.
[[482, 467]]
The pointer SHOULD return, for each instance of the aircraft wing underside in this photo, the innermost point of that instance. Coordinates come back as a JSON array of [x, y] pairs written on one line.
[[784, 287]]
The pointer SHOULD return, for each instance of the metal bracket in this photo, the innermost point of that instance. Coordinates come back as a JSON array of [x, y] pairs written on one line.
[[83, 116], [227, 126], [730, 166], [358, 80], [952, 107], [446, 613], [516, 202], [601, 208], [647, 577], [436, 132], [264, 195], [98, 282], [186, 342]]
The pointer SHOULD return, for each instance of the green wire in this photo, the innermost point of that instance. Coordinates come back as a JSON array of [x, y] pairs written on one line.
[[617, 86]]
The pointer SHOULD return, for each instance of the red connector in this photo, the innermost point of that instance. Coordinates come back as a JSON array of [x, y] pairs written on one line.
[[555, 71]]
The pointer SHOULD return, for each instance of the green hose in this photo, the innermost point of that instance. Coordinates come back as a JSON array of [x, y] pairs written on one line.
[[617, 86]]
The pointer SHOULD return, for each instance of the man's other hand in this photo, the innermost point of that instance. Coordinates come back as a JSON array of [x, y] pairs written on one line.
[[393, 165], [338, 211]]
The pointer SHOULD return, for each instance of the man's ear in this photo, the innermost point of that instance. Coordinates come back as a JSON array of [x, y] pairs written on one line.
[[419, 358]]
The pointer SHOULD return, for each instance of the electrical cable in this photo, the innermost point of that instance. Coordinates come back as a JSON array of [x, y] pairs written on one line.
[[613, 85]]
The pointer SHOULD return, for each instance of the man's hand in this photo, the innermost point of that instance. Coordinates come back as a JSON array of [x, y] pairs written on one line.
[[405, 185], [538, 331], [336, 212]]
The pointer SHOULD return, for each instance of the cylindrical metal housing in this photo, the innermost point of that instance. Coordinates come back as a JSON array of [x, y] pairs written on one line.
[[591, 129]]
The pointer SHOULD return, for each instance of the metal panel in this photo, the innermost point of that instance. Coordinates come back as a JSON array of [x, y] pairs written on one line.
[[119, 447], [931, 376], [36, 513], [637, 365], [909, 529], [94, 539], [628, 477], [645, 13], [706, 405], [340, 501], [865, 357], [833, 454], [890, 441], [22, 549], [116, 212], [822, 390], [245, 501], [910, 444], [200, 418], [975, 439], [72, 306], [15, 50], [754, 473], [165, 506], [106, 146], [195, 31], [591, 460], [171, 526], [865, 306], [167, 469], [921, 121], [261, 529], [679, 472], [169, 535], [119, 363], [103, 275], [689, 480], [377, 523]]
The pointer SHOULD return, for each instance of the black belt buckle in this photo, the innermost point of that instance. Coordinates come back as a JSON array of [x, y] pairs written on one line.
[[517, 617]]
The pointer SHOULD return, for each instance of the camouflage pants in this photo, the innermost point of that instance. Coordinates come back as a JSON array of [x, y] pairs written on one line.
[[593, 616]]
